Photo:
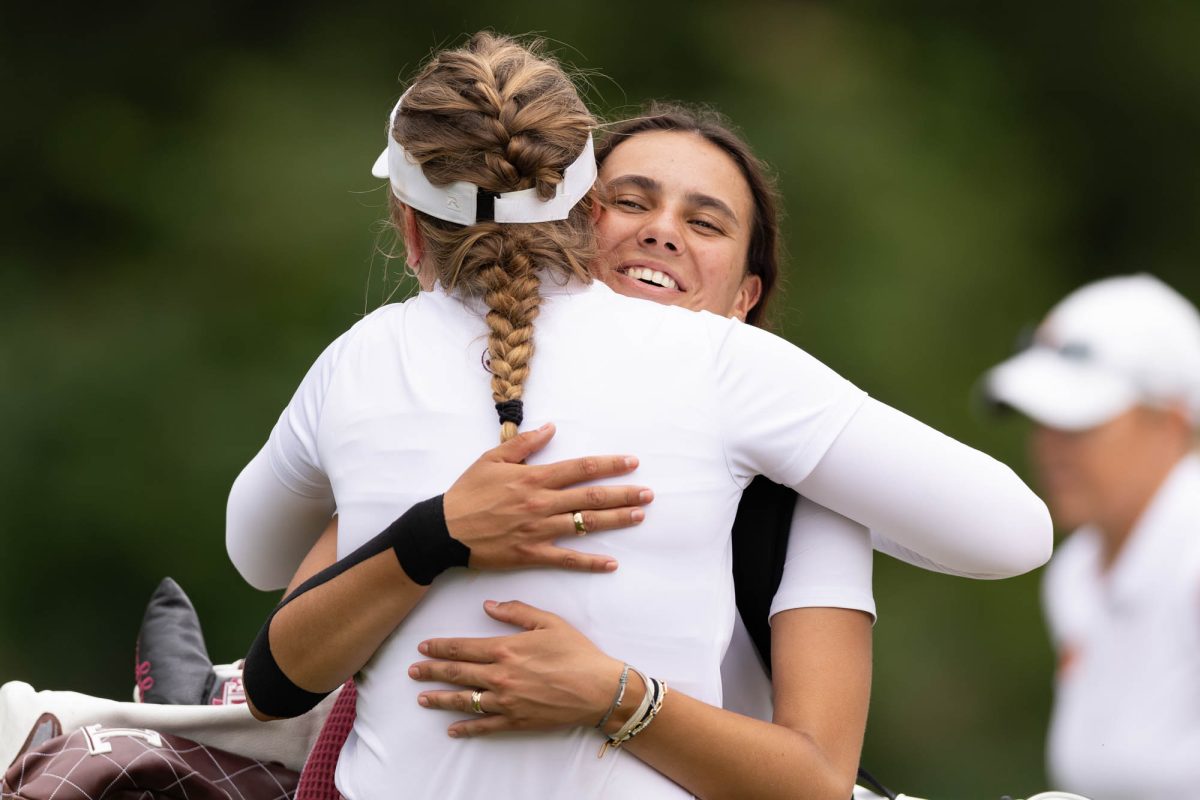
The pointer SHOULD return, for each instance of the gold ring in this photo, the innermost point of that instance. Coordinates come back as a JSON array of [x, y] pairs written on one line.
[[476, 696], [580, 528]]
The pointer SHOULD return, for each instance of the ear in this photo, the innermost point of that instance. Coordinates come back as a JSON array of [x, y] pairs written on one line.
[[414, 245], [747, 297], [597, 206]]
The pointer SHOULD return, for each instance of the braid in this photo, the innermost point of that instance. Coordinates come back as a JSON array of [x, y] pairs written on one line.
[[513, 301], [500, 116]]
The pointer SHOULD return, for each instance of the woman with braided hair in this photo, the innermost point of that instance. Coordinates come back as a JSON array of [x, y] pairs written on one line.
[[498, 227]]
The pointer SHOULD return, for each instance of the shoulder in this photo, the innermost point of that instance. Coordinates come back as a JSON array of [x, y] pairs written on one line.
[[384, 323]]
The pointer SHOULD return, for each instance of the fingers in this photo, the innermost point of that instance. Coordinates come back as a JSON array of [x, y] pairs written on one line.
[[478, 651], [593, 521], [460, 673], [597, 497], [459, 700], [491, 721], [482, 726], [522, 446], [589, 468], [548, 555], [514, 612]]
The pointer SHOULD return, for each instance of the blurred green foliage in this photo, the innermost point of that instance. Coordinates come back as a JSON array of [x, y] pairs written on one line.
[[189, 219]]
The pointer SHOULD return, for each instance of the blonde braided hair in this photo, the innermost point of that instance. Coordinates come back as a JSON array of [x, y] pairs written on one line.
[[503, 117]]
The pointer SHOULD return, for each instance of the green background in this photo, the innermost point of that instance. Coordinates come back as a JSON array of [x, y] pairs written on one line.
[[188, 219]]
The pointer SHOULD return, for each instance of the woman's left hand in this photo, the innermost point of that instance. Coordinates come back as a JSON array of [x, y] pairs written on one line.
[[550, 676]]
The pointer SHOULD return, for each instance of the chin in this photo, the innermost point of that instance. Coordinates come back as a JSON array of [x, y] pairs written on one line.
[[1068, 513]]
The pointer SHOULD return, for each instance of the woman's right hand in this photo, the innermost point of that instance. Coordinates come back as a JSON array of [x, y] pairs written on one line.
[[510, 513]]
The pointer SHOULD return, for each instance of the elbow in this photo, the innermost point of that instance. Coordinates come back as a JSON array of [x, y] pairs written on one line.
[[259, 715], [831, 777], [1033, 531], [837, 787], [1042, 544], [247, 564], [1025, 534], [831, 784], [247, 551], [270, 692]]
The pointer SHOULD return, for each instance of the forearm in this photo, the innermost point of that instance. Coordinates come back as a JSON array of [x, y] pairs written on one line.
[[326, 634], [551, 676], [326, 629], [715, 753], [822, 687], [954, 507]]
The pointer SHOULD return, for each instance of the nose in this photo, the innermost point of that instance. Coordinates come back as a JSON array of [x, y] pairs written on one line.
[[660, 231]]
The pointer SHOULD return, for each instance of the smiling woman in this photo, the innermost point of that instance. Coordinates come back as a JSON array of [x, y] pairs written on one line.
[[705, 217], [685, 242]]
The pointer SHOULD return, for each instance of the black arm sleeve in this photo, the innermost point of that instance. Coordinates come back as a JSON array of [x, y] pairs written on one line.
[[424, 548]]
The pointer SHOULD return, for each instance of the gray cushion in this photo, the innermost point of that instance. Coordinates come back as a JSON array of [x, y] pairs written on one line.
[[171, 662]]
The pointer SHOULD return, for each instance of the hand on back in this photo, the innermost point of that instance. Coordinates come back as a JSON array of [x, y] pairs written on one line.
[[510, 514]]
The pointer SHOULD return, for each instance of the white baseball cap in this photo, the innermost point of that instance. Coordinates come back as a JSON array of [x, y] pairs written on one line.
[[1105, 348]]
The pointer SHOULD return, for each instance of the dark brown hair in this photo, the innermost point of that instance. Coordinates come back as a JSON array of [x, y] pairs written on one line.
[[762, 256]]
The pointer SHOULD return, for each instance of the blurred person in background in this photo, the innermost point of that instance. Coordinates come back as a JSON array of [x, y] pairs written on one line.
[[1112, 385]]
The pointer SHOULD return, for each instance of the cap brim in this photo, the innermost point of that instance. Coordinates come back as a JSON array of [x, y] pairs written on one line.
[[380, 168], [1059, 392]]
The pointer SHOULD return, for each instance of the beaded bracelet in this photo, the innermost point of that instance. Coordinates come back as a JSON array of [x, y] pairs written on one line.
[[617, 698], [655, 707], [651, 704]]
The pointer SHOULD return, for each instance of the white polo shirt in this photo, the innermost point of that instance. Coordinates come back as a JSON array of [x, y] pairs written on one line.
[[400, 405], [1126, 718]]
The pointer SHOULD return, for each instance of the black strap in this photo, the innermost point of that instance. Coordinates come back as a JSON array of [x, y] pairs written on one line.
[[760, 538], [867, 779], [485, 206]]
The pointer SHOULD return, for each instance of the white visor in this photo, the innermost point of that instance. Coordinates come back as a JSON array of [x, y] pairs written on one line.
[[459, 201], [1060, 392]]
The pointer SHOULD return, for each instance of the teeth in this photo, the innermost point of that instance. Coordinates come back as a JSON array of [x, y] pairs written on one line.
[[651, 276]]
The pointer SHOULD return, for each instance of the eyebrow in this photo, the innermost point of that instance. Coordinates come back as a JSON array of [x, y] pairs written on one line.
[[698, 199]]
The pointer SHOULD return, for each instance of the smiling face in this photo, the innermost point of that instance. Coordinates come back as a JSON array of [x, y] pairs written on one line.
[[676, 224]]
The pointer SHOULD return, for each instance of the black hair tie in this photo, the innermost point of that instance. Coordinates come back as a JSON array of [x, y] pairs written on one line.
[[511, 411]]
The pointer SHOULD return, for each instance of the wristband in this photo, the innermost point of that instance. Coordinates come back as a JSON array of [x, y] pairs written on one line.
[[617, 698], [423, 544]]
